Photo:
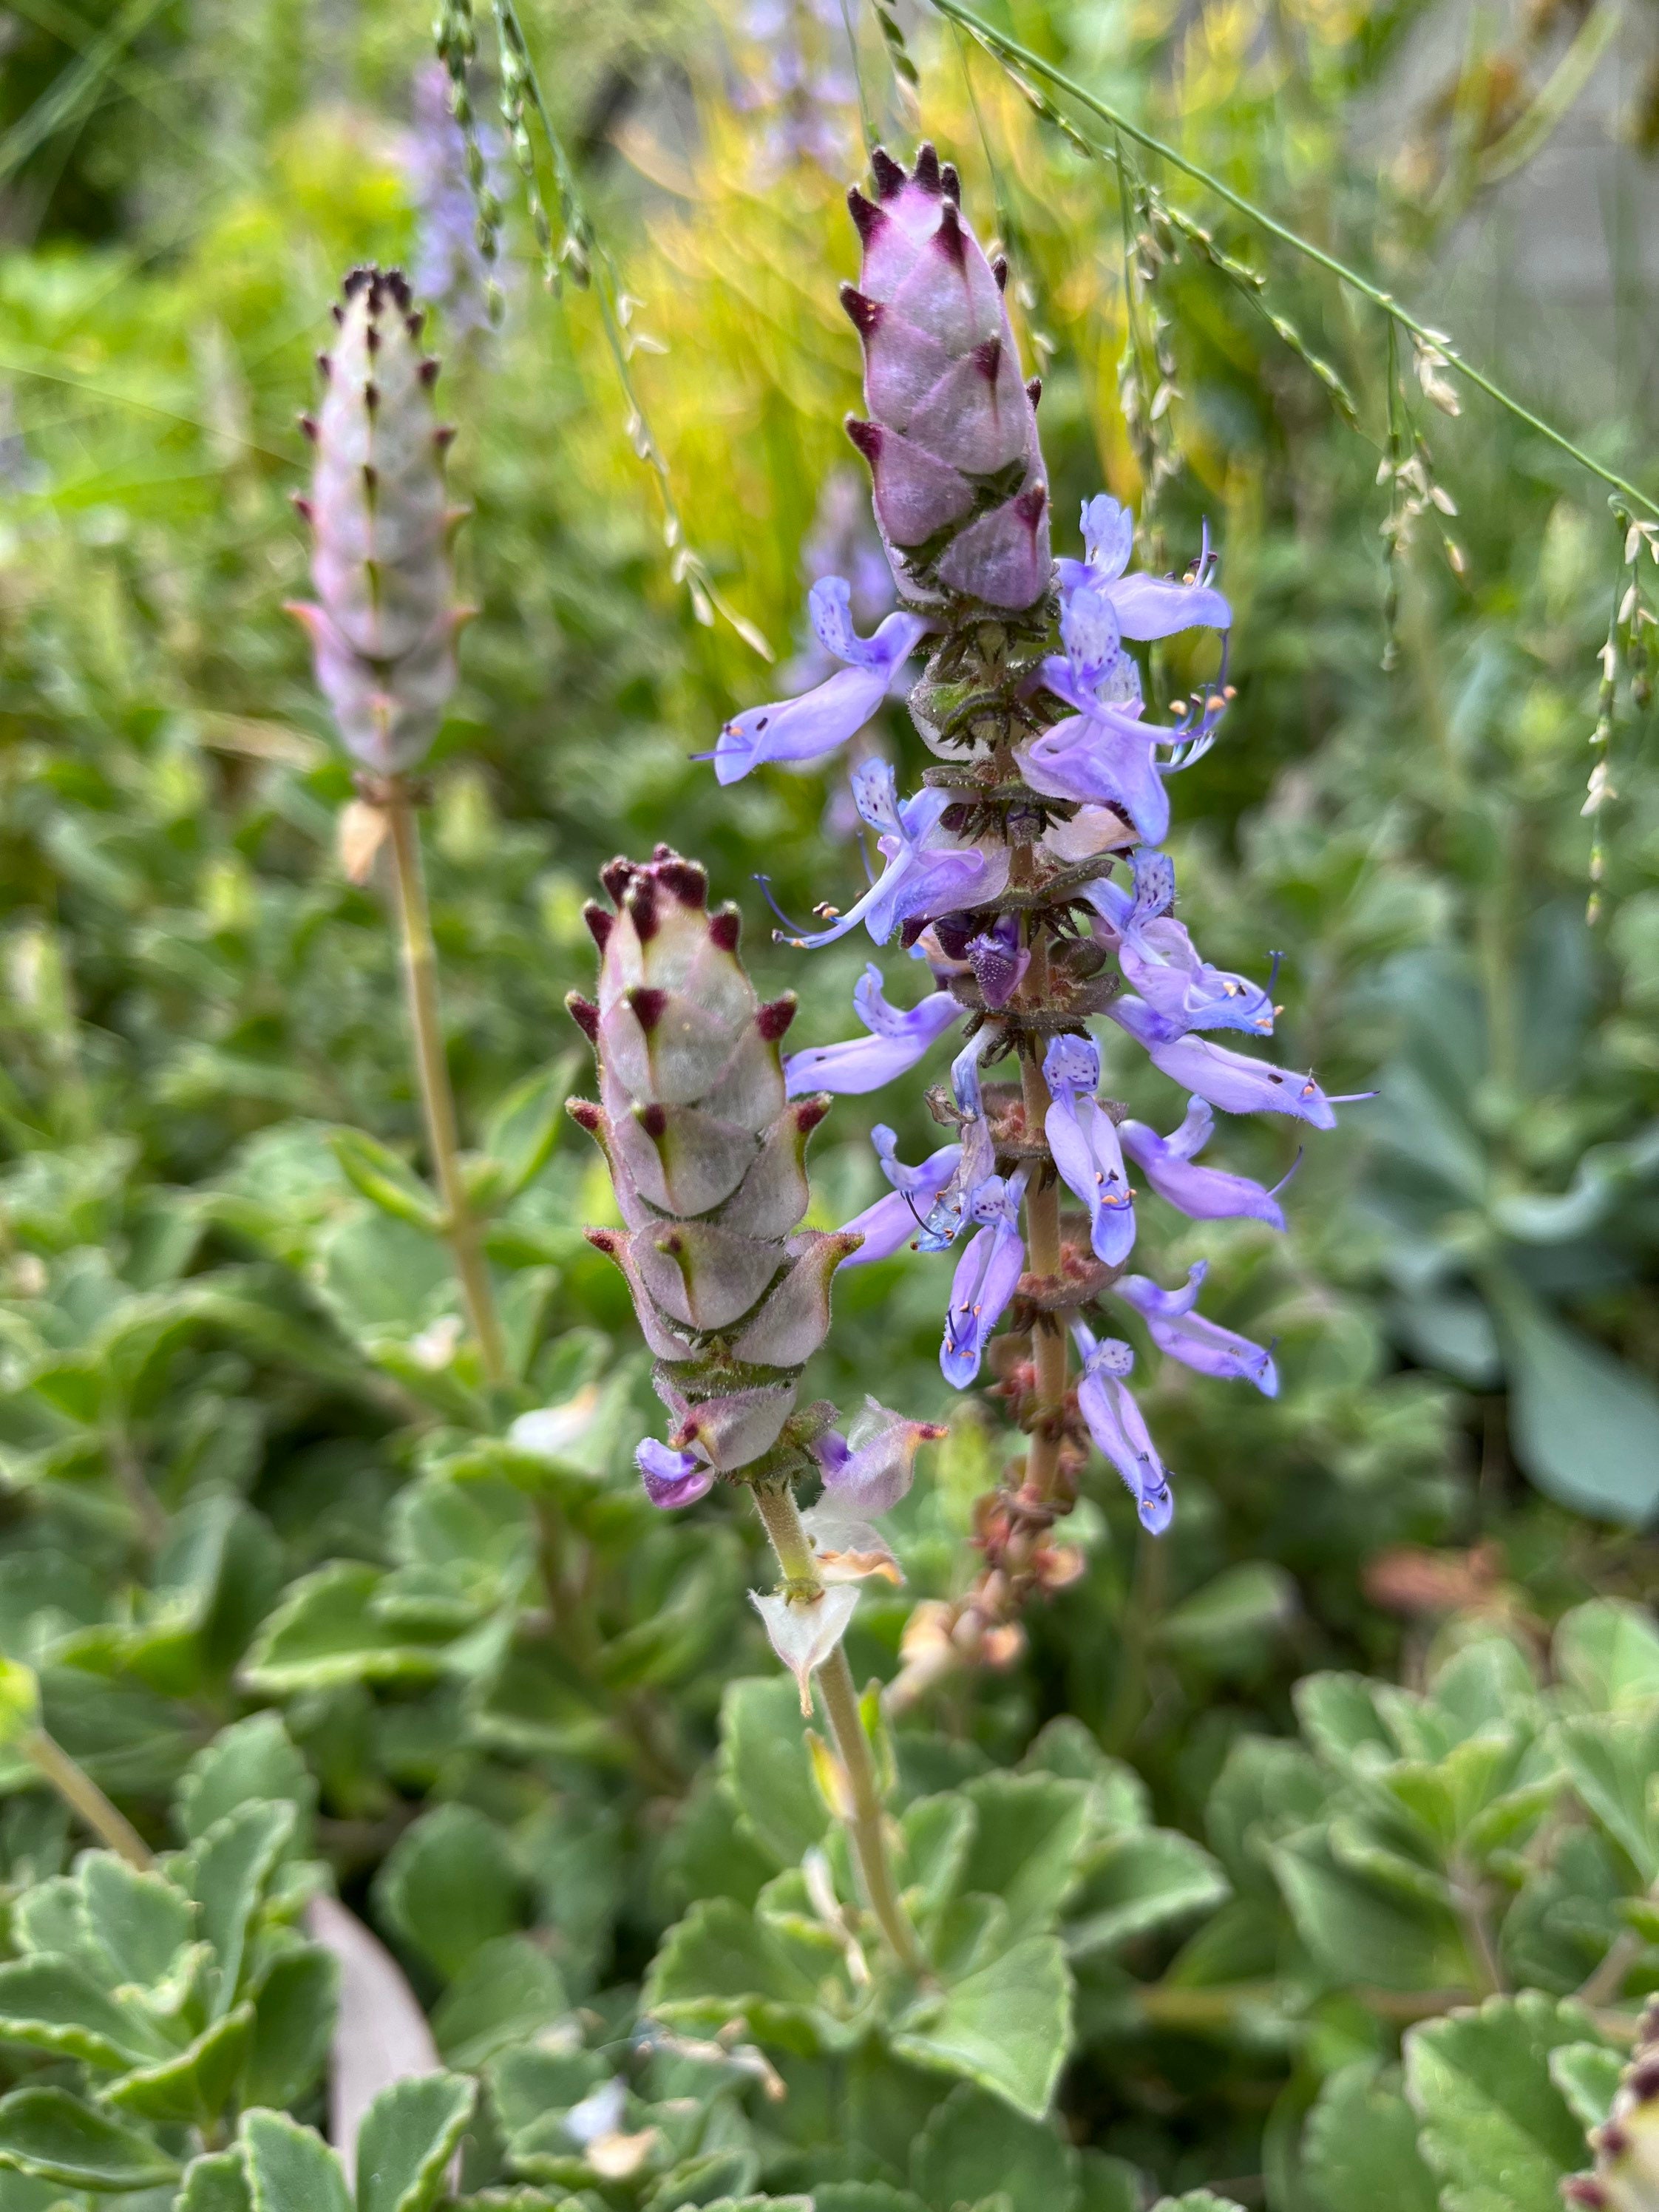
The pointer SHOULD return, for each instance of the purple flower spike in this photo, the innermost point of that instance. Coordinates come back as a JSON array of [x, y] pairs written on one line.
[[898, 1040], [1083, 1140], [1185, 1334], [806, 728], [1201, 1193], [672, 1478], [1227, 1079], [1115, 1422], [928, 872], [1145, 606], [988, 1275], [888, 1225], [869, 1469]]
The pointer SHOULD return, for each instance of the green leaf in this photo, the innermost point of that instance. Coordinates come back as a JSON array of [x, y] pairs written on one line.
[[53, 2004], [227, 1871], [215, 2183], [1107, 2184], [972, 2141], [1200, 2200], [48, 2132], [254, 1757], [289, 2168], [765, 1766], [20, 1704], [385, 1180], [142, 1920], [1359, 2145], [449, 1886], [1007, 2026], [521, 1134], [326, 1632], [718, 2177], [1028, 1838], [1587, 2075], [1233, 1622], [1139, 1880], [1494, 2127], [1359, 1931], [197, 2085], [408, 2136], [1118, 1798], [1608, 1650], [720, 1962], [508, 1991], [864, 2196], [294, 2009], [1584, 1425], [1612, 1762]]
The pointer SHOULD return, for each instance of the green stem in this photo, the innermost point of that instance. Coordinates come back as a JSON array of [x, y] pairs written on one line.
[[82, 1796], [1009, 51], [421, 977], [866, 1820]]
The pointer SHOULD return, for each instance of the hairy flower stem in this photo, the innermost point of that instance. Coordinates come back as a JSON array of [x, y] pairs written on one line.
[[83, 1797], [865, 1821], [432, 1067]]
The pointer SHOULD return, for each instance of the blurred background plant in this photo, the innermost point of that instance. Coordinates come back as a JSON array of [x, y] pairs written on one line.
[[250, 1480]]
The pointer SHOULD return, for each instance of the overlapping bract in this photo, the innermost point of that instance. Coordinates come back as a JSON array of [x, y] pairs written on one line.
[[707, 1154], [384, 622], [952, 436]]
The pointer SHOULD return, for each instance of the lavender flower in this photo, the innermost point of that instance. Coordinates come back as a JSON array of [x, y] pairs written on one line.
[[869, 1468], [1052, 769], [383, 626]]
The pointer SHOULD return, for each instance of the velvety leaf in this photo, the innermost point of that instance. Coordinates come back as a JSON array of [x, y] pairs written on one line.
[[217, 2182], [1586, 1426], [293, 2019], [326, 1632], [407, 2139], [1613, 1760], [290, 2168], [253, 1758], [719, 2177], [227, 1871], [1234, 1619], [1587, 2075], [766, 1768], [1007, 2026], [51, 2004], [1028, 1837], [1107, 2184], [49, 2132], [378, 1174], [1359, 1931], [1494, 2127], [721, 1961], [1117, 1795], [973, 2139], [197, 2085], [1608, 1650], [864, 2196], [142, 1920], [1139, 1880], [508, 1991], [1359, 2145], [450, 1884]]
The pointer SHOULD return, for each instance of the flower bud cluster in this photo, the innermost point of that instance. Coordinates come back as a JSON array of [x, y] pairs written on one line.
[[384, 622], [707, 1157]]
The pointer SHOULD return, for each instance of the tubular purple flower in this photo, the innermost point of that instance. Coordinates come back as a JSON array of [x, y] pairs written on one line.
[[1084, 1141], [1201, 1193], [1181, 991], [898, 1040], [1104, 758], [1116, 1424], [953, 1208], [988, 1275], [1227, 1079], [928, 872], [951, 441], [1185, 1334], [869, 1469], [1146, 607], [383, 626], [806, 728], [672, 1478], [888, 1226]]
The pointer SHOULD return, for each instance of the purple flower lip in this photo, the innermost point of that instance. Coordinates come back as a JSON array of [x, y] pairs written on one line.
[[1187, 1335], [805, 729], [988, 1275], [1084, 1141], [672, 1478], [1201, 1193], [1117, 1427], [890, 1225], [898, 1040]]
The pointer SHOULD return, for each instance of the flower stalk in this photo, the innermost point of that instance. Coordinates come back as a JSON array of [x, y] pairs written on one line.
[[382, 629]]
